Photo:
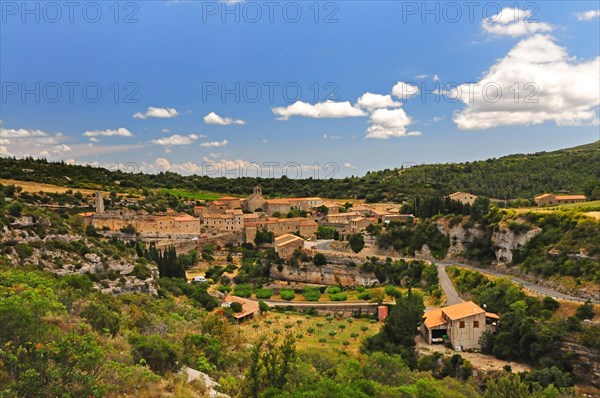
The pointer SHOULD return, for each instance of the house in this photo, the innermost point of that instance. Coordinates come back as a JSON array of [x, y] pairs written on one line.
[[281, 206], [359, 223], [342, 217], [286, 245], [550, 199], [249, 308], [462, 325], [303, 226], [463, 197], [230, 202], [397, 218]]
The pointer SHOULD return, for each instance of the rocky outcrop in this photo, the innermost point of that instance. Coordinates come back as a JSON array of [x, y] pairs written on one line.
[[506, 242], [586, 365], [337, 272]]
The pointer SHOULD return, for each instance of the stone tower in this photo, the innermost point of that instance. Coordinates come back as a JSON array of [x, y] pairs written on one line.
[[99, 203]]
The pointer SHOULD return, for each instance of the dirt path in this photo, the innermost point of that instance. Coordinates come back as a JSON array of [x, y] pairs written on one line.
[[479, 361]]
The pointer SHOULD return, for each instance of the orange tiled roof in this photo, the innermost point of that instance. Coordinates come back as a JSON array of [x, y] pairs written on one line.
[[434, 318], [571, 197], [462, 310]]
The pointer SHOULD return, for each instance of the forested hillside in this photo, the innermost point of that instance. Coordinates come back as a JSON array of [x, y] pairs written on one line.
[[574, 170]]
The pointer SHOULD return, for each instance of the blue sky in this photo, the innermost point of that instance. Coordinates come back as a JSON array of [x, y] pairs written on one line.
[[378, 83]]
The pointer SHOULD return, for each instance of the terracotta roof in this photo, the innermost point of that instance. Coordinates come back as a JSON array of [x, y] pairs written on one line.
[[492, 315], [571, 197], [546, 195], [461, 193], [286, 239], [462, 310], [228, 198], [434, 318], [248, 306], [88, 214], [277, 201], [186, 218]]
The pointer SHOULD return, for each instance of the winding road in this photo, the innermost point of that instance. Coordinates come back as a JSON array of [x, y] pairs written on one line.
[[447, 286]]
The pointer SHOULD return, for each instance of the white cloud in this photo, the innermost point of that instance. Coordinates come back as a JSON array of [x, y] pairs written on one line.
[[214, 144], [331, 137], [434, 77], [4, 151], [4, 141], [404, 90], [213, 118], [372, 101], [349, 165], [386, 123], [566, 91], [513, 22], [121, 132], [165, 131], [61, 149], [21, 133], [162, 113], [587, 15], [437, 119], [176, 140], [327, 109]]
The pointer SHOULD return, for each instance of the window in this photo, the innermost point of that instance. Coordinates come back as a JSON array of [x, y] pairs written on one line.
[[461, 324], [475, 324]]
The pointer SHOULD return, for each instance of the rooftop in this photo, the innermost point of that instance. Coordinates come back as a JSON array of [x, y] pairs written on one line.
[[462, 310]]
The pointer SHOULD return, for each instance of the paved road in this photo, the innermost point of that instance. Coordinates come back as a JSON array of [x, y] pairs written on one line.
[[527, 285], [316, 304], [447, 286], [450, 291]]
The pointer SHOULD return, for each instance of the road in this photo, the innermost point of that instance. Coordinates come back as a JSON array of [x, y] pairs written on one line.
[[317, 304], [448, 287], [535, 288]]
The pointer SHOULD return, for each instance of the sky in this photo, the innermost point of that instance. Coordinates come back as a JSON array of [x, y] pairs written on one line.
[[307, 89]]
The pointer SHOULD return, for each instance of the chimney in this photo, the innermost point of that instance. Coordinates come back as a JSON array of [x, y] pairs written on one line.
[[382, 312], [99, 203]]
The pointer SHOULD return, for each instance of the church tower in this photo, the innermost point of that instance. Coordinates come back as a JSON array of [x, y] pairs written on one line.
[[99, 203]]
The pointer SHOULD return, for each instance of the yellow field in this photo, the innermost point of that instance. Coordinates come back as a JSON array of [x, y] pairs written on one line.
[[272, 323], [35, 187]]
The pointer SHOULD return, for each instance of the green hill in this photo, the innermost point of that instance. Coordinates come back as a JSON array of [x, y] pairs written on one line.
[[572, 170]]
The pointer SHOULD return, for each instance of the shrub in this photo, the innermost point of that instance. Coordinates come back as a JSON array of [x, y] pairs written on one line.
[[338, 297], [24, 250], [320, 259], [287, 294], [364, 296], [264, 294], [311, 294], [141, 272], [159, 354], [243, 290], [236, 307], [333, 289]]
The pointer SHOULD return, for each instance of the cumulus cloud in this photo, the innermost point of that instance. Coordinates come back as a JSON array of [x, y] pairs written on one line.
[[121, 132], [4, 141], [552, 87], [349, 165], [513, 22], [404, 90], [162, 113], [587, 15], [214, 144], [213, 118], [327, 109], [370, 101], [176, 140], [386, 123]]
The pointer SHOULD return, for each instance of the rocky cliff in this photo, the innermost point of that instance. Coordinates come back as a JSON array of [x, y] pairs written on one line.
[[336, 272]]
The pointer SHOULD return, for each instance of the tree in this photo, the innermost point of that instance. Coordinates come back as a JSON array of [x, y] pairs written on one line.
[[236, 307], [319, 259], [263, 307], [357, 242], [585, 311], [397, 336]]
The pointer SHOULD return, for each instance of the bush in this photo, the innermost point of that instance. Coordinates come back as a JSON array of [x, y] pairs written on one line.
[[102, 318], [364, 296], [159, 354], [585, 311], [287, 294], [243, 290], [264, 294], [338, 297], [320, 259], [24, 250], [311, 294], [236, 307], [333, 289], [141, 272]]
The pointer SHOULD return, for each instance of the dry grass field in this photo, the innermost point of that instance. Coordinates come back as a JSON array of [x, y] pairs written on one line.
[[35, 187]]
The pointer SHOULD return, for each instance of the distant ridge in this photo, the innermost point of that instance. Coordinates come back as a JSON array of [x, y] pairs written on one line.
[[570, 170]]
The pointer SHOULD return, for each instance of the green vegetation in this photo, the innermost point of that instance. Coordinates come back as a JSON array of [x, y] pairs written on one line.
[[516, 176], [191, 195]]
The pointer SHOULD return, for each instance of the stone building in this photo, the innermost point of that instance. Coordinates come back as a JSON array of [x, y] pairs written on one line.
[[254, 201], [463, 197], [550, 199], [287, 244], [460, 324]]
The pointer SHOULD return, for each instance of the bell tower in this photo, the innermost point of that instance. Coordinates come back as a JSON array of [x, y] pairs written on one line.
[[99, 203]]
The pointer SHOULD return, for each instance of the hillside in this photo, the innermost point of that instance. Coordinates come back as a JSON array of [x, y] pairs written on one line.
[[573, 170]]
